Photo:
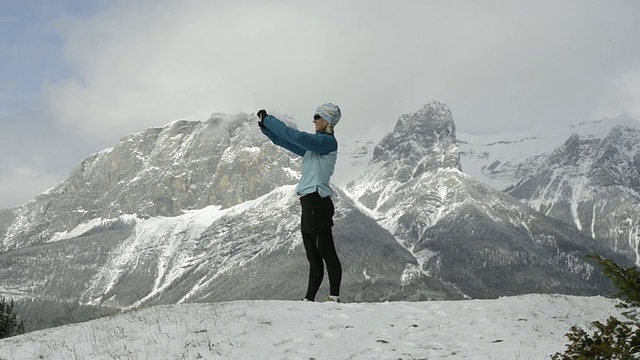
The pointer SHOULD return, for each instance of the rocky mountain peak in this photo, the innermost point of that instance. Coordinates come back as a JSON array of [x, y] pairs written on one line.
[[574, 151], [626, 136], [433, 119], [420, 142], [163, 171], [618, 159]]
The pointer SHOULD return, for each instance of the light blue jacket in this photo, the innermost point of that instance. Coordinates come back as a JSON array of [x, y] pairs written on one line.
[[319, 151]]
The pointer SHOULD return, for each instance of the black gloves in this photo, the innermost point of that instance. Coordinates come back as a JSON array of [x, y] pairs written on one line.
[[261, 115]]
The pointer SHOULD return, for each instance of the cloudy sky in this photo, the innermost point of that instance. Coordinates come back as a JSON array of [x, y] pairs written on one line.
[[77, 75]]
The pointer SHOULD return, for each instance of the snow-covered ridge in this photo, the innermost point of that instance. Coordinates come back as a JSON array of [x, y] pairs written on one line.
[[496, 158], [414, 188], [591, 181], [161, 171], [173, 242]]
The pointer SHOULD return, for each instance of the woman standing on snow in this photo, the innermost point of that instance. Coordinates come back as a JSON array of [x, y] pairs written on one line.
[[319, 153]]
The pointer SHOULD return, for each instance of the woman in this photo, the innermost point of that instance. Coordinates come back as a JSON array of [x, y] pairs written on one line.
[[319, 153]]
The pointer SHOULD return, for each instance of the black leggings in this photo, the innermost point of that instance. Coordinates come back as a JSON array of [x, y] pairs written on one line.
[[316, 222], [319, 247]]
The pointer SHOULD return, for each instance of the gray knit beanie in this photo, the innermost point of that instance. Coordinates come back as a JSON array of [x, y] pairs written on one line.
[[329, 112]]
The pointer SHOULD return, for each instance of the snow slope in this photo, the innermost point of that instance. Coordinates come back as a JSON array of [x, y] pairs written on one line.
[[522, 327], [497, 158]]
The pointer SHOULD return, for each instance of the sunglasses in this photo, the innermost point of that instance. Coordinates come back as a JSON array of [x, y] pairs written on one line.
[[317, 117]]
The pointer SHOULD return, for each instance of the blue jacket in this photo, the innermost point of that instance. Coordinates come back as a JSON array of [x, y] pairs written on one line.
[[319, 152]]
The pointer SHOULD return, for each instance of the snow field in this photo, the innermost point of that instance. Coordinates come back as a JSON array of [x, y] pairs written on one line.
[[521, 327]]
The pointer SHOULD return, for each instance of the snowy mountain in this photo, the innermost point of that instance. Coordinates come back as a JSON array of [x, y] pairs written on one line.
[[193, 211], [503, 159], [353, 159], [461, 230], [206, 211], [585, 175], [594, 184], [159, 172]]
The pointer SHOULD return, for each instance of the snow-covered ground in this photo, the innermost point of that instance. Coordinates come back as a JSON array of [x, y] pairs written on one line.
[[520, 327]]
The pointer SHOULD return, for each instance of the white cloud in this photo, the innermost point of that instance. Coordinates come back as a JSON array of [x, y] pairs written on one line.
[[621, 94], [21, 182], [499, 64], [36, 157], [136, 73], [134, 64], [628, 86]]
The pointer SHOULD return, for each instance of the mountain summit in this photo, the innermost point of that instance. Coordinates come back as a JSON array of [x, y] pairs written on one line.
[[162, 171], [420, 142]]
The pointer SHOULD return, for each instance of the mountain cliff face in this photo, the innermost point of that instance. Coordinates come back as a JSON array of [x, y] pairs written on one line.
[[163, 171]]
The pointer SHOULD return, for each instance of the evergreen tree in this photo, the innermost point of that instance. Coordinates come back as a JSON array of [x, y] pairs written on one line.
[[9, 324], [617, 339]]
